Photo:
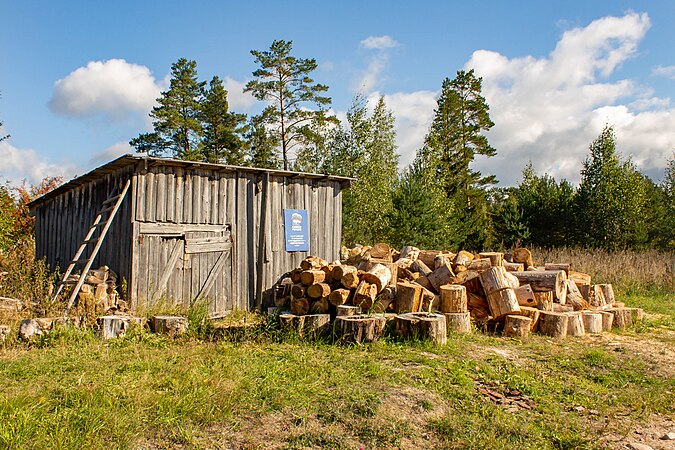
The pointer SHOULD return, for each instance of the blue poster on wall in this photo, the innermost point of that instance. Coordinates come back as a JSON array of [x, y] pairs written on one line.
[[296, 226]]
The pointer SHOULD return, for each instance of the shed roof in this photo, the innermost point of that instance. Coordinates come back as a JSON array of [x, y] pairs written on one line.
[[128, 159]]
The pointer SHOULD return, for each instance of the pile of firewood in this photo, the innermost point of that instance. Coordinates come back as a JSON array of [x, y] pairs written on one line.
[[504, 291], [98, 295]]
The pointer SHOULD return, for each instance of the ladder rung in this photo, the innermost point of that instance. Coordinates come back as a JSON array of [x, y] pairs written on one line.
[[89, 241], [100, 224], [105, 210], [80, 261], [111, 200]]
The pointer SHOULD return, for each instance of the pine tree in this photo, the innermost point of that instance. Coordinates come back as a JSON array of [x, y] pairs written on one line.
[[222, 141], [177, 119], [284, 81], [261, 146]]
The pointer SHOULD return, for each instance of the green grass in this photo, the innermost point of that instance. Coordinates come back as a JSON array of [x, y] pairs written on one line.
[[71, 390]]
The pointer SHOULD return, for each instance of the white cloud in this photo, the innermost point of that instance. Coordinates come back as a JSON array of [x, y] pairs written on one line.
[[18, 164], [237, 99], [379, 42], [666, 71], [113, 88], [108, 154]]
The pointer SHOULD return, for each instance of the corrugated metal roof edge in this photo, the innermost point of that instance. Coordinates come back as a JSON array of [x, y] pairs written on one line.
[[128, 159]]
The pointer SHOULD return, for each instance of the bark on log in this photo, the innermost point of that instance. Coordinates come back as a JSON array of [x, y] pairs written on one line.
[[592, 322], [443, 258], [364, 296], [557, 307], [419, 267], [496, 258], [384, 299], [318, 290], [299, 306], [453, 299], [501, 298], [339, 296], [544, 300], [379, 275], [408, 297], [517, 326], [608, 293], [459, 322], [553, 324], [329, 272], [359, 329], [306, 326], [319, 306], [513, 282], [440, 276], [430, 300], [525, 296], [427, 257], [309, 277], [622, 318], [575, 324], [172, 325], [409, 252], [579, 278], [574, 297], [532, 313], [514, 267], [476, 301], [423, 281], [607, 320], [470, 280], [295, 275], [422, 326], [558, 266], [541, 281], [313, 263], [404, 263], [524, 256], [348, 310], [597, 297], [461, 260], [479, 265]]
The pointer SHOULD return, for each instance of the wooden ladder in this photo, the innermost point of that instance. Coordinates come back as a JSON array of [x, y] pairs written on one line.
[[109, 209]]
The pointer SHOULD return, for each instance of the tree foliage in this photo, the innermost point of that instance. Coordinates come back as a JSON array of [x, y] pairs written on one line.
[[295, 100], [222, 142]]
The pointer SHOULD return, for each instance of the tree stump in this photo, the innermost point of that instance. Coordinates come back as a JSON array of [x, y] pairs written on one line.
[[458, 322], [622, 318], [608, 293], [496, 258], [552, 324], [545, 280], [607, 320], [525, 296], [592, 322], [339, 296], [408, 297], [575, 324], [115, 326], [306, 326], [172, 325], [517, 326], [348, 310], [500, 296], [359, 329], [422, 326], [453, 299], [440, 276], [532, 313]]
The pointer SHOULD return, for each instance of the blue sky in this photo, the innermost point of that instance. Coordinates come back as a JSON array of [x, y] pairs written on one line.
[[77, 79]]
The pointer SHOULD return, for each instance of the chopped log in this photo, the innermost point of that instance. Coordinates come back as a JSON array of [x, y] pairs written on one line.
[[462, 258], [585, 290], [553, 324], [379, 275], [622, 318], [318, 290], [423, 281], [422, 326], [409, 252], [453, 299], [110, 327], [403, 274], [514, 267], [468, 279], [384, 300], [510, 279], [393, 269], [430, 300], [443, 258], [525, 296], [319, 306], [427, 257], [575, 324], [558, 266], [340, 270], [298, 291], [607, 320], [557, 307], [348, 310], [339, 296], [309, 277], [329, 273], [608, 293], [597, 297], [479, 314], [295, 275], [440, 276], [306, 326], [350, 277], [381, 251], [408, 297], [364, 296], [637, 315], [579, 277], [544, 300], [359, 329], [172, 325], [496, 258], [313, 263], [532, 313], [592, 322], [476, 301], [458, 322], [479, 265], [299, 306], [403, 263], [517, 326], [524, 256], [419, 267], [541, 281], [574, 297], [501, 298]]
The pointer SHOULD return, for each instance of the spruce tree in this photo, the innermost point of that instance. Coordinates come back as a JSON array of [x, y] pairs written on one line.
[[222, 129], [295, 100]]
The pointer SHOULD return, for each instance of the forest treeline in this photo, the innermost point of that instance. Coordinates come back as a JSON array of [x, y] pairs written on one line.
[[439, 200]]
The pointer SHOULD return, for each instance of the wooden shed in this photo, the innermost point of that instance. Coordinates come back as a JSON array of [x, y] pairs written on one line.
[[188, 230]]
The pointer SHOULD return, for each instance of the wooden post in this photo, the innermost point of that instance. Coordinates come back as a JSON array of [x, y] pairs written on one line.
[[453, 299], [552, 324], [359, 329], [458, 322], [424, 326], [517, 326]]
